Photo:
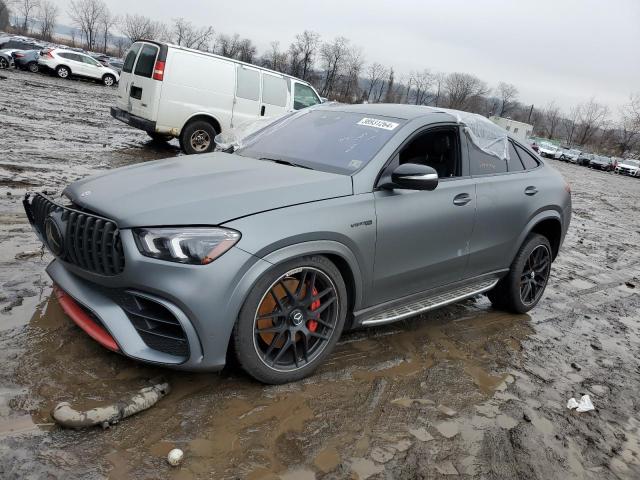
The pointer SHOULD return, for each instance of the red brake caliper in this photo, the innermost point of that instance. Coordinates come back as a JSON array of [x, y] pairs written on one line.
[[312, 325]]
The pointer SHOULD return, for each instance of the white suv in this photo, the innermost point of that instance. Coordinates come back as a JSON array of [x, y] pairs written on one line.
[[68, 62], [548, 149], [628, 167]]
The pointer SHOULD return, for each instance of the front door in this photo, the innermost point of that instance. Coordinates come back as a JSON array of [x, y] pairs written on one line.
[[423, 236], [246, 105]]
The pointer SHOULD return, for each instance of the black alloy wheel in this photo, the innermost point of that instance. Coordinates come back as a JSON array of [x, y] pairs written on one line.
[[535, 275], [291, 320]]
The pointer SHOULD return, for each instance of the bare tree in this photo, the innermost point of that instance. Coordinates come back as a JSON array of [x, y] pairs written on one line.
[[352, 68], [569, 124], [303, 52], [26, 9], [275, 59], [390, 95], [184, 33], [333, 55], [592, 117], [461, 88], [507, 94], [375, 73], [228, 46], [246, 50], [552, 119], [107, 22], [627, 136], [48, 13], [5, 14], [86, 15], [138, 27], [422, 82]]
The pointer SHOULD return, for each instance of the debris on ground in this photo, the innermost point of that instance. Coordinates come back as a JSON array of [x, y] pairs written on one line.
[[68, 417], [175, 457], [584, 405], [29, 254]]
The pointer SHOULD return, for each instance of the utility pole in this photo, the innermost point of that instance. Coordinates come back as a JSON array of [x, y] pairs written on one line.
[[530, 112]]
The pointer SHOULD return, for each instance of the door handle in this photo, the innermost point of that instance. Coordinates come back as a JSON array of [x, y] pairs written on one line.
[[461, 199], [262, 111], [531, 190]]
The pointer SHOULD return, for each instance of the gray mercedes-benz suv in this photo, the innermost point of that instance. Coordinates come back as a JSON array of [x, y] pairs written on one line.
[[332, 217]]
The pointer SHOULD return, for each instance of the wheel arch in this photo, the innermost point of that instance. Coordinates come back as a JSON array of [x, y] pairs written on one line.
[[548, 224], [205, 117]]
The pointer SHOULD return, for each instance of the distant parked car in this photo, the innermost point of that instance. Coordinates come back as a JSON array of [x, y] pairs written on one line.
[[584, 159], [534, 146], [27, 60], [601, 163], [548, 149], [570, 155], [67, 63], [19, 44], [116, 65], [628, 167], [6, 60]]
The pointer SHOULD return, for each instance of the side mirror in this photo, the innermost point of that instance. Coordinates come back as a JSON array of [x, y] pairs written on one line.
[[414, 176]]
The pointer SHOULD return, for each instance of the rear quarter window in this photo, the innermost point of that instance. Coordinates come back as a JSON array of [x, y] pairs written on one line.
[[146, 61], [483, 163], [131, 58], [528, 160], [515, 164]]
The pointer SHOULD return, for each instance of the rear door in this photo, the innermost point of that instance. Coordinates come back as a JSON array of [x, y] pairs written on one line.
[[126, 76], [246, 105], [142, 91], [275, 95]]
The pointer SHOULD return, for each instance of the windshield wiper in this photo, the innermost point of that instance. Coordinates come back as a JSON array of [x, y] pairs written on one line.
[[285, 162]]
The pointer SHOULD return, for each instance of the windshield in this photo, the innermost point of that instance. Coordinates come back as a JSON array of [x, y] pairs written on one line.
[[332, 141]]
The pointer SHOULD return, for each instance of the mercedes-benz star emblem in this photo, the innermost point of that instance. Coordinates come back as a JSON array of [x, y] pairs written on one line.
[[54, 236]]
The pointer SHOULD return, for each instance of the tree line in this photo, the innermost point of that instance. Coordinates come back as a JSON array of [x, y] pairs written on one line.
[[338, 70]]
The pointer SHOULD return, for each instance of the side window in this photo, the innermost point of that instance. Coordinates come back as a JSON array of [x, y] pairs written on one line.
[[131, 58], [146, 60], [274, 90], [248, 85], [515, 130], [304, 96], [438, 149], [515, 164], [483, 163], [528, 160], [89, 60], [65, 55]]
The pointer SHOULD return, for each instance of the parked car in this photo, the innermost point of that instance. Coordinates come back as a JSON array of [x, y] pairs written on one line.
[[569, 154], [116, 65], [601, 163], [167, 91], [628, 167], [534, 146], [6, 60], [584, 159], [321, 221], [67, 63], [27, 60], [548, 149], [20, 44]]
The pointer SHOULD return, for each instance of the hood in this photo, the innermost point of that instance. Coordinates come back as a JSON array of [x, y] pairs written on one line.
[[628, 165], [208, 189]]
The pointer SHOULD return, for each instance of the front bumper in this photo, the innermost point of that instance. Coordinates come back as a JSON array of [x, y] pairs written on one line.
[[133, 120]]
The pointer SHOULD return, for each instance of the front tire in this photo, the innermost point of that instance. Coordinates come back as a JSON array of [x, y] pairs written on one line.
[[197, 137], [291, 320], [4, 63], [522, 288], [63, 72]]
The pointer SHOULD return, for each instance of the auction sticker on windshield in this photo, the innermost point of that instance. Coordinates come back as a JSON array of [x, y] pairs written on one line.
[[377, 123]]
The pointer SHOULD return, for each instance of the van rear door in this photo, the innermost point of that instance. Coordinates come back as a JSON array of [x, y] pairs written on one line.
[[140, 90]]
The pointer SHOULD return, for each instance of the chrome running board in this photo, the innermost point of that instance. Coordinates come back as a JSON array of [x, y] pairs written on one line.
[[429, 302]]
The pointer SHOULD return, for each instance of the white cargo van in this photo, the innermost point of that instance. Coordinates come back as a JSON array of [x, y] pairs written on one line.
[[170, 91]]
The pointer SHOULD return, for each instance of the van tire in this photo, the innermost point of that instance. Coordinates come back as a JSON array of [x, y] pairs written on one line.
[[197, 137]]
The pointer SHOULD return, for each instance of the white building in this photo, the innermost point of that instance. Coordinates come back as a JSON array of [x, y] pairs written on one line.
[[518, 129]]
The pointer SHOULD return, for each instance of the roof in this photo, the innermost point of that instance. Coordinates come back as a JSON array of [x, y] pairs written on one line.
[[397, 110]]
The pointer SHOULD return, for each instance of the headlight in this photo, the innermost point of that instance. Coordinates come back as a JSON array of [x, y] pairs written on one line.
[[194, 245]]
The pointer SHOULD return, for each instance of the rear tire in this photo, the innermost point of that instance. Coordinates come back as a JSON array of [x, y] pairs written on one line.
[[197, 137], [3, 63], [522, 288], [291, 320], [63, 72], [33, 67], [108, 80]]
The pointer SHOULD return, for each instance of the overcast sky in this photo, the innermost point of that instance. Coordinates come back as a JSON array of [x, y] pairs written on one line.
[[562, 50]]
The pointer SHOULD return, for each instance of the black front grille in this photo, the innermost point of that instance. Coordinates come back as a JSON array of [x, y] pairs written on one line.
[[156, 324], [90, 242]]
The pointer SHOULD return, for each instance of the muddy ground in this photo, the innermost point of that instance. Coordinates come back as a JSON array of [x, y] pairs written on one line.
[[465, 390]]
